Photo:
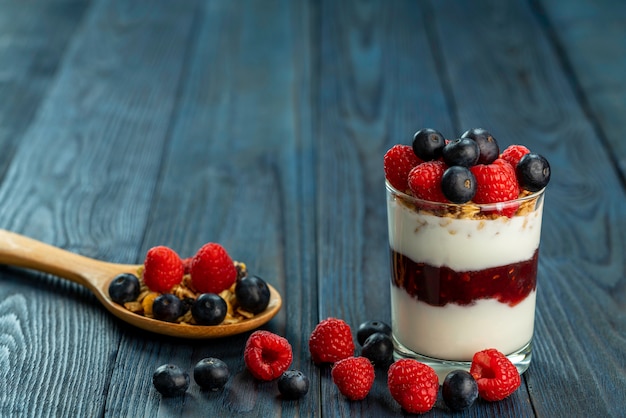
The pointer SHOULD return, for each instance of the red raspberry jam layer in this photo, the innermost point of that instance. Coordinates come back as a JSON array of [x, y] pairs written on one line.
[[438, 286]]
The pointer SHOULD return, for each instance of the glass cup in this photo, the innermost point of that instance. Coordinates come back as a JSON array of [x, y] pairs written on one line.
[[463, 278]]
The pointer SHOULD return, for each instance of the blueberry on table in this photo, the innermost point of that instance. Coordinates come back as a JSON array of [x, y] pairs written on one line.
[[370, 327], [458, 184], [489, 149], [293, 384], [459, 390], [124, 288], [428, 144], [253, 294], [533, 172], [209, 309], [211, 373], [378, 348], [170, 380], [462, 151], [167, 307]]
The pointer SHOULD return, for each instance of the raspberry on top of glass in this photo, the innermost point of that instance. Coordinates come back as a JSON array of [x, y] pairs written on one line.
[[469, 169]]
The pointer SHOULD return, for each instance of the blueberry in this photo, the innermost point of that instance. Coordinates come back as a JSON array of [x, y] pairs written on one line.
[[458, 184], [533, 172], [369, 327], [293, 384], [462, 151], [124, 288], [211, 373], [170, 380], [459, 390], [209, 309], [428, 144], [378, 348], [489, 149], [252, 294], [167, 307], [186, 305]]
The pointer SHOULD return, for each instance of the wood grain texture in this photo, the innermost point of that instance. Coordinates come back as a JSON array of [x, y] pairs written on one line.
[[582, 262], [71, 185]]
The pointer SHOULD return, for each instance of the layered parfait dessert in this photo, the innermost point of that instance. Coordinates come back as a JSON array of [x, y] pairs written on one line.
[[464, 230]]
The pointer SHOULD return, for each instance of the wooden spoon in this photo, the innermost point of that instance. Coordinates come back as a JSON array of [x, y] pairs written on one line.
[[20, 251]]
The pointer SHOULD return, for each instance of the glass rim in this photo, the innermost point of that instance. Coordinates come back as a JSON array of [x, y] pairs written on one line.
[[482, 206]]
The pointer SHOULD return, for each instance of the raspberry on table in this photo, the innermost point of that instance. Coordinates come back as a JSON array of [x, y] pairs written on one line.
[[267, 355], [496, 376], [331, 341], [425, 181], [163, 269], [354, 376], [212, 270], [414, 385], [398, 161]]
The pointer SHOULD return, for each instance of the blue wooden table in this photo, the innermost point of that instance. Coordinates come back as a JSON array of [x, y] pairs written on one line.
[[261, 125]]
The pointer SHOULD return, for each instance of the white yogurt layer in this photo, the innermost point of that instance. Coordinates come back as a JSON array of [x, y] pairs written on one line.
[[462, 244], [455, 332]]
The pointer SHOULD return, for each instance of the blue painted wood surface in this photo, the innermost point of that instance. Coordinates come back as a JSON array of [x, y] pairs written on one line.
[[262, 125]]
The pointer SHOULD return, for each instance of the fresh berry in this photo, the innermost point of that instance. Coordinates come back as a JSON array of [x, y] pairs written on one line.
[[124, 288], [212, 270], [331, 341], [354, 377], [425, 181], [533, 172], [209, 309], [413, 385], [495, 182], [370, 327], [211, 373], [489, 149], [186, 304], [398, 161], [378, 348], [462, 151], [459, 390], [253, 294], [167, 307], [293, 384], [514, 153], [187, 264], [458, 184], [170, 380], [267, 355], [163, 269], [428, 144], [495, 375]]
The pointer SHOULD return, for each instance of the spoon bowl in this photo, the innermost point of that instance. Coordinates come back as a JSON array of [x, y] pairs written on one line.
[[20, 251]]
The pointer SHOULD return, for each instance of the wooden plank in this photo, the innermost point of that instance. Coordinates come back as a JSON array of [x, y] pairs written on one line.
[[379, 84], [511, 82], [590, 38], [238, 171], [34, 38], [83, 179]]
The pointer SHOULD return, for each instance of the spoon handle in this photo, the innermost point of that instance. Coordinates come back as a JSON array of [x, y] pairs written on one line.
[[18, 250]]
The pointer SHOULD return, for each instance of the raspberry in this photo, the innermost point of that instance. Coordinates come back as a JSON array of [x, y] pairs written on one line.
[[331, 341], [496, 182], [267, 355], [354, 376], [212, 270], [495, 375], [187, 264], [398, 161], [425, 181], [413, 385], [163, 269], [513, 154]]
